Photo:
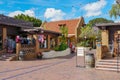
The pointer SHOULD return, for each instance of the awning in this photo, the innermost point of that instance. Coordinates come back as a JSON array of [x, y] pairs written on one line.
[[39, 29]]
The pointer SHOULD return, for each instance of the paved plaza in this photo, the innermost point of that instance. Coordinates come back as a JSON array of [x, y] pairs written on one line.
[[62, 68]]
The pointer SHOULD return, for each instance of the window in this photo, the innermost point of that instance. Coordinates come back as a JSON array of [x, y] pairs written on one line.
[[61, 25]]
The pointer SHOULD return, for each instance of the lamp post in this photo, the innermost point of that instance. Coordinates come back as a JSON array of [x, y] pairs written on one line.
[[42, 31], [84, 48], [85, 40], [96, 38]]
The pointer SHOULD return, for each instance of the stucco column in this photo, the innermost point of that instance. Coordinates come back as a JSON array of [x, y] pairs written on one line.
[[37, 43], [48, 41], [98, 51], [4, 35], [105, 37], [18, 48]]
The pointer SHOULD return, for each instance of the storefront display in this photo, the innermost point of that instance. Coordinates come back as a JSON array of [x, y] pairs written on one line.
[[43, 40]]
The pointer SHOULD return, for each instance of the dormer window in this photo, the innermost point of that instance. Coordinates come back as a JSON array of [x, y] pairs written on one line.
[[61, 25]]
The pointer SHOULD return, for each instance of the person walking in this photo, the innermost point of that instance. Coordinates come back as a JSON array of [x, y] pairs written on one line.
[[70, 46]]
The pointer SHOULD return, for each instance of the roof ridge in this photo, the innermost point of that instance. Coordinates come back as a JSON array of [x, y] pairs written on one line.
[[13, 21], [2, 15], [65, 20]]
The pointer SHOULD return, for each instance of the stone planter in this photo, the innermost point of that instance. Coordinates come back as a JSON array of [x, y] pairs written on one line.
[[89, 60]]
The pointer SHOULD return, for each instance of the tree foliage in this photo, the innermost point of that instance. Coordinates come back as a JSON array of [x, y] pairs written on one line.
[[90, 34], [99, 20], [115, 10], [36, 22], [64, 31], [88, 31], [63, 38]]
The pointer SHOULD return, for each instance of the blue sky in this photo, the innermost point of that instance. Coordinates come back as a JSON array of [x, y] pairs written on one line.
[[52, 10]]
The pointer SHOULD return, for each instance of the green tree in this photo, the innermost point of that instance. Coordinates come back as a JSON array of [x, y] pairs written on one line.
[[64, 31], [115, 10], [87, 31], [63, 38], [36, 22], [99, 20], [90, 35]]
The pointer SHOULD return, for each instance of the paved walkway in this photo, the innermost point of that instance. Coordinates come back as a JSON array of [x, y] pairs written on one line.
[[62, 68]]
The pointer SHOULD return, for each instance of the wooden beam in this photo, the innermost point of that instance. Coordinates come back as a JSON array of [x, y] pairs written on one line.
[[4, 35], [18, 48], [37, 43], [48, 41]]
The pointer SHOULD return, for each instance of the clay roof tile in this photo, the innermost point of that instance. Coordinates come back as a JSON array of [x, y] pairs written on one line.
[[55, 25]]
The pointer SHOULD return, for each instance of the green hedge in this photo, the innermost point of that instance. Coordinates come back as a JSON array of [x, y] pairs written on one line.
[[61, 47]]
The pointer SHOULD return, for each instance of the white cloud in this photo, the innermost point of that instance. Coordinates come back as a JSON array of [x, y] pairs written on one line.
[[26, 12], [117, 21], [54, 14], [94, 9]]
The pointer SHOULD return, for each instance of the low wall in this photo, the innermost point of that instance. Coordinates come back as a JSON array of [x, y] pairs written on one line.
[[53, 54], [30, 56]]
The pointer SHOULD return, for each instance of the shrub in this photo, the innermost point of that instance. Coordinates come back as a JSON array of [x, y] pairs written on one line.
[[61, 47], [84, 43], [56, 48]]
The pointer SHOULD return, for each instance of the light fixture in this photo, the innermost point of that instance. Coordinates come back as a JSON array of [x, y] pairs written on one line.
[[85, 37], [42, 31]]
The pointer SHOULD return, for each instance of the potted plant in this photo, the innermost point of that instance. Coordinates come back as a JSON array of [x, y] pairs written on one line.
[[87, 38], [39, 55], [82, 46]]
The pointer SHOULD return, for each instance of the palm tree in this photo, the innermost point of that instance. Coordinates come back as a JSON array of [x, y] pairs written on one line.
[[91, 35], [115, 10]]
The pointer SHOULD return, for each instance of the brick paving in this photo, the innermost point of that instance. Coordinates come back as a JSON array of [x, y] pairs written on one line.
[[62, 68]]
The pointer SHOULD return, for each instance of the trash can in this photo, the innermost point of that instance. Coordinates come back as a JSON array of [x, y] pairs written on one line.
[[89, 60], [21, 55]]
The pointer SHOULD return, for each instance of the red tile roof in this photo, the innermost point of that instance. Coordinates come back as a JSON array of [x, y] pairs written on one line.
[[55, 25]]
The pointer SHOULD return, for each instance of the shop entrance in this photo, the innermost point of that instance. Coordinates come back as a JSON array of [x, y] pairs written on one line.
[[117, 44], [1, 42]]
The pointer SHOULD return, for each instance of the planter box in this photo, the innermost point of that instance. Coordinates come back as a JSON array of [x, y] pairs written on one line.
[[81, 50]]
